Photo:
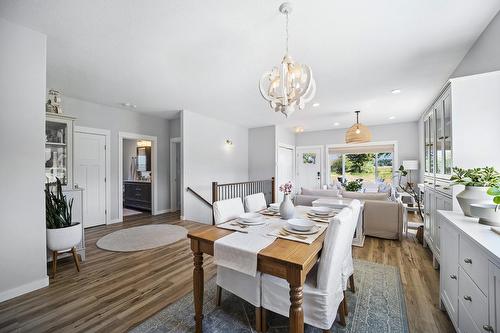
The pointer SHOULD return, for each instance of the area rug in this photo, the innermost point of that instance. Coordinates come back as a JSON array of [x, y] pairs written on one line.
[[142, 238], [377, 306]]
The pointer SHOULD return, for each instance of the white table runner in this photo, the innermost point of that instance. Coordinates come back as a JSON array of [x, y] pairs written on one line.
[[238, 251]]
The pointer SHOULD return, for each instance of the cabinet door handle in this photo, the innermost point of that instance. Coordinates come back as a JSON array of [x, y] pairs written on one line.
[[488, 328], [446, 188], [437, 185], [468, 260], [468, 298], [453, 276]]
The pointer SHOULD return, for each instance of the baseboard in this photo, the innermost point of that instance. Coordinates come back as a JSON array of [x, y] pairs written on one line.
[[23, 289], [115, 221]]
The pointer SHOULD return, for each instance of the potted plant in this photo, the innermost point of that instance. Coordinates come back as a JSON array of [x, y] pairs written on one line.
[[477, 181], [353, 185], [62, 234], [287, 209], [411, 189], [488, 213]]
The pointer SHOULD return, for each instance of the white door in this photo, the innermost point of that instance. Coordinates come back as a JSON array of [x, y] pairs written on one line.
[[308, 161], [285, 168], [90, 174]]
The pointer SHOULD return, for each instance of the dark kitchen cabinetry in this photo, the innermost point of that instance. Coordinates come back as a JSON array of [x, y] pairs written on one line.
[[137, 195]]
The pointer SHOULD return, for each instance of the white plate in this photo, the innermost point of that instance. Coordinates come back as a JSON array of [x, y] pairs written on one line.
[[250, 217], [259, 222], [314, 230], [321, 210], [321, 216], [274, 206], [300, 224]]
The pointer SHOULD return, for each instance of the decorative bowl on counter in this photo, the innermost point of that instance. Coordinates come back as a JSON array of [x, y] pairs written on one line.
[[488, 213]]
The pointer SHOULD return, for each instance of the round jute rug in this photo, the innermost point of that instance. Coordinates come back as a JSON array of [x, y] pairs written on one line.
[[142, 238]]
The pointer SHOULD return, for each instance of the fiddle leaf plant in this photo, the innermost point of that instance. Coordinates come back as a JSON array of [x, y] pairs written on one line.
[[57, 208]]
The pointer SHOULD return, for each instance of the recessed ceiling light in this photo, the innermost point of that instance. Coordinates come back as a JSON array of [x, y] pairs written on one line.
[[299, 129], [336, 124], [315, 105], [396, 91], [128, 105], [392, 117]]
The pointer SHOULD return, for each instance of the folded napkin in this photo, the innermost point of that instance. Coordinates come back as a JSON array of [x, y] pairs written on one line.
[[238, 251]]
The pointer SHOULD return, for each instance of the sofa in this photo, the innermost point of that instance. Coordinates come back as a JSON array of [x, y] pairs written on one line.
[[382, 216]]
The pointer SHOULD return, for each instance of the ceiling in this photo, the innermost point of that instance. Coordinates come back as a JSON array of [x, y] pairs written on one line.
[[207, 56]]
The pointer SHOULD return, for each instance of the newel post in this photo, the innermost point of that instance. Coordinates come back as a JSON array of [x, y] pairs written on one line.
[[214, 199]]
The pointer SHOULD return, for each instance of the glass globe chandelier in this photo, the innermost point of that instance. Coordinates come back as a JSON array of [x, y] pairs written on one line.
[[289, 85]]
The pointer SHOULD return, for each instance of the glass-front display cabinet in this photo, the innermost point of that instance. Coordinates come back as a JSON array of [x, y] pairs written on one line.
[[59, 149]]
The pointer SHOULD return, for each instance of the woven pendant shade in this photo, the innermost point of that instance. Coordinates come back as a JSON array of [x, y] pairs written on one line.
[[358, 133]]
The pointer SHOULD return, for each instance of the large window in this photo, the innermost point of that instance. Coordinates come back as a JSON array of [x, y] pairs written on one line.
[[369, 166]]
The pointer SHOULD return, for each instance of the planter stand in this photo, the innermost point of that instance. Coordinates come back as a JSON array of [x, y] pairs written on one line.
[[54, 260]]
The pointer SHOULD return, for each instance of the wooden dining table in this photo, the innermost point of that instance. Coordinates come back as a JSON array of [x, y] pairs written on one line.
[[286, 259]]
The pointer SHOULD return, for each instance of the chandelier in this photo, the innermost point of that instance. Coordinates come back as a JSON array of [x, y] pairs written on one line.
[[289, 85], [358, 133]]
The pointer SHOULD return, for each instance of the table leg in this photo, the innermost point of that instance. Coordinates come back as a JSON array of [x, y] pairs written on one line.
[[296, 314], [198, 286]]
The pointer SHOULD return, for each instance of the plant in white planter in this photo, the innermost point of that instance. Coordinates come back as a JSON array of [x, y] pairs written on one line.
[[477, 181], [62, 234]]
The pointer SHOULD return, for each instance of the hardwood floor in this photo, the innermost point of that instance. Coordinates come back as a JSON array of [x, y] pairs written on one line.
[[116, 291]]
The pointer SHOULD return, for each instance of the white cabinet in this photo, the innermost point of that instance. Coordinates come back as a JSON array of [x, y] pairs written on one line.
[[449, 270], [470, 273]]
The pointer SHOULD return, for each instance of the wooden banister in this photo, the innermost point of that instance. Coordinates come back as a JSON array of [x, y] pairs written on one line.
[[189, 189]]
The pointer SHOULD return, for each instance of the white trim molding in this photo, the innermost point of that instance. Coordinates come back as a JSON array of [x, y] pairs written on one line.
[[23, 289], [107, 134], [173, 198], [154, 169]]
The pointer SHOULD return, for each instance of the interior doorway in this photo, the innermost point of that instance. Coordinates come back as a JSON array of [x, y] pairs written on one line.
[[137, 174], [175, 174], [285, 167]]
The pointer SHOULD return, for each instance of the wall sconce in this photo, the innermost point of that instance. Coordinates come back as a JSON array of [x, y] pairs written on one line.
[[299, 129], [229, 142]]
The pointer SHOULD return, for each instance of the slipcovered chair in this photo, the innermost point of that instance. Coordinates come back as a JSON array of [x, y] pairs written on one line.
[[348, 266], [242, 285], [323, 290], [255, 202]]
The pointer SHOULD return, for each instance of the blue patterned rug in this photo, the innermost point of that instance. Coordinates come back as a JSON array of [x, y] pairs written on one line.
[[377, 306]]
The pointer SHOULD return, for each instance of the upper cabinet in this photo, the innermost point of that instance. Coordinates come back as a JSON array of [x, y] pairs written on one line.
[[437, 137], [59, 149]]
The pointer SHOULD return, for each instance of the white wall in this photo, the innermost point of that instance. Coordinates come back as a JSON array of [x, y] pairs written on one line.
[[175, 127], [261, 152], [484, 55], [206, 158], [285, 135], [119, 120], [22, 134], [406, 134]]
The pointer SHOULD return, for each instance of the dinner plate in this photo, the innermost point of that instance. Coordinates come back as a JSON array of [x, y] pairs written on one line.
[[313, 231], [322, 216], [274, 206], [259, 222], [300, 224], [321, 210], [250, 217]]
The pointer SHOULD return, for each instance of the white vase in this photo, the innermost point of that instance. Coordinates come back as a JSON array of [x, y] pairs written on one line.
[[63, 239], [472, 195], [488, 214], [287, 210]]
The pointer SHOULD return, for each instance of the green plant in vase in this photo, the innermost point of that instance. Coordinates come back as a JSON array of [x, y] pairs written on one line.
[[354, 185], [495, 192], [477, 181], [57, 208]]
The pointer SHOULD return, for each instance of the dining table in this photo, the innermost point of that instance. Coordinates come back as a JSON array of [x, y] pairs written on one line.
[[284, 258]]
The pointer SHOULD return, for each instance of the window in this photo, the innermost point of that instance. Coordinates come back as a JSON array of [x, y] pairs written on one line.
[[369, 166]]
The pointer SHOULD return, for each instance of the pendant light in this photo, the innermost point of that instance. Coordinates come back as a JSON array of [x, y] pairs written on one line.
[[358, 133], [288, 85]]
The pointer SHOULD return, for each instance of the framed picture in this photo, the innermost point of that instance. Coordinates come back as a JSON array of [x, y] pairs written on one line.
[[309, 158]]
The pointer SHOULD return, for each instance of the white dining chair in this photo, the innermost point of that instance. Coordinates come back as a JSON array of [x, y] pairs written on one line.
[[255, 202], [242, 285], [348, 266], [322, 292]]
